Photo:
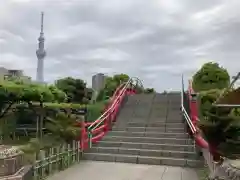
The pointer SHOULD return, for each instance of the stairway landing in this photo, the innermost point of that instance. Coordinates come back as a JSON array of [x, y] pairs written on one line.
[[96, 170]]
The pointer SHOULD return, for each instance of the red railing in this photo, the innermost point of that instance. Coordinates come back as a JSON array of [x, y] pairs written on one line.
[[200, 141], [94, 132]]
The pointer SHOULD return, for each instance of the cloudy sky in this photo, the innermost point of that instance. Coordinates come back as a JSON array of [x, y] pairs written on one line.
[[155, 40]]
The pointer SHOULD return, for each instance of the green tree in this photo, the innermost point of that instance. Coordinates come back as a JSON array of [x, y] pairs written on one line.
[[149, 90], [110, 86], [13, 94], [120, 78], [113, 82], [74, 88], [211, 76]]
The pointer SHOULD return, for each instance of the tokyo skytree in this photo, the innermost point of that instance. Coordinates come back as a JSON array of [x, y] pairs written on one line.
[[41, 54]]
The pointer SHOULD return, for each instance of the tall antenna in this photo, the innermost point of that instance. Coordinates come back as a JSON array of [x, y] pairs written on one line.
[[42, 16]]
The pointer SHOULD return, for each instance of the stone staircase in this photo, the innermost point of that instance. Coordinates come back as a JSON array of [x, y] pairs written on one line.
[[148, 130]]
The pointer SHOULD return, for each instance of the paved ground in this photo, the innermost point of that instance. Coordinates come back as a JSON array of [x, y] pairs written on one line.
[[96, 170]]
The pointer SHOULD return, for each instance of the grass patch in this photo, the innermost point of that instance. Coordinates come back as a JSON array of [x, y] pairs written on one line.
[[203, 173]]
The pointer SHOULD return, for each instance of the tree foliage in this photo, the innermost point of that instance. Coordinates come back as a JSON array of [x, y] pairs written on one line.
[[25, 104], [111, 84], [210, 76], [149, 90], [220, 125], [222, 131], [120, 78], [63, 126], [74, 88], [10, 91], [89, 93], [206, 99]]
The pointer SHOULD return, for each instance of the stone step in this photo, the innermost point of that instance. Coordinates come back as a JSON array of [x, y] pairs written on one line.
[[151, 129], [163, 120], [149, 140], [143, 159], [144, 152], [138, 145], [150, 124], [174, 120], [148, 134], [173, 116]]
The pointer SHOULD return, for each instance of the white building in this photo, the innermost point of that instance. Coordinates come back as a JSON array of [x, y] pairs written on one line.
[[13, 73], [98, 81]]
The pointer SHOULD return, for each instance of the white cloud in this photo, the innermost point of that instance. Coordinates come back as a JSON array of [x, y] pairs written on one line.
[[107, 55], [8, 36], [155, 40], [12, 61], [131, 36]]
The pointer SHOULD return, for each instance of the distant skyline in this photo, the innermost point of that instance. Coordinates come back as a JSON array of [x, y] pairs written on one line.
[[155, 40]]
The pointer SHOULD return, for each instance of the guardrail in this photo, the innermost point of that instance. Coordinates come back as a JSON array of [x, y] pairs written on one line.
[[93, 132], [191, 117]]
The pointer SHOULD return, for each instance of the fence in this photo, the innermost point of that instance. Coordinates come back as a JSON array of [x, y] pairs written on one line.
[[56, 159]]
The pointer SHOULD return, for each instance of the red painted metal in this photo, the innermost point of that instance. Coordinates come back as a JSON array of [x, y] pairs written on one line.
[[193, 105], [82, 135], [99, 129], [200, 141], [98, 137]]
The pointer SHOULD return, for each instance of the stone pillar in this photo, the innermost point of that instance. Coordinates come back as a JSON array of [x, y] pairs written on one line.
[[11, 163]]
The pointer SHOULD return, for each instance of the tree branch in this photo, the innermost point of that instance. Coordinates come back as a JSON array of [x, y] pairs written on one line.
[[6, 110]]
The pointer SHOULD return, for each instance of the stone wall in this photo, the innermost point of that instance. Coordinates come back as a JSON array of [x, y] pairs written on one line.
[[25, 173]]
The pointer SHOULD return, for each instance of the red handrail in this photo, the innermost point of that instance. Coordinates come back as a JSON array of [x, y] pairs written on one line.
[[194, 117], [108, 117]]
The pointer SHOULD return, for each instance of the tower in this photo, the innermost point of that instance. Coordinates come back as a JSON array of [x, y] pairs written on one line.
[[41, 53]]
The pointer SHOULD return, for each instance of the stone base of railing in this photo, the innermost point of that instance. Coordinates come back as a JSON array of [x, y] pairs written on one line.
[[231, 169], [25, 173], [225, 170]]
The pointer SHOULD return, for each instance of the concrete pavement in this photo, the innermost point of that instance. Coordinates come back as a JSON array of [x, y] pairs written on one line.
[[97, 170]]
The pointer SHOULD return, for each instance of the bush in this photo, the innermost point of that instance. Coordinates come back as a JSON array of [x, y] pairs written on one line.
[[220, 126]]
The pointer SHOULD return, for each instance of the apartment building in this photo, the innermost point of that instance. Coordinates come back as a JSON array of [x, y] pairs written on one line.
[[98, 81]]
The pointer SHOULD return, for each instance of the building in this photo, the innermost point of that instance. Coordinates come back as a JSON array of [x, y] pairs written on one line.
[[98, 81], [3, 72], [13, 73]]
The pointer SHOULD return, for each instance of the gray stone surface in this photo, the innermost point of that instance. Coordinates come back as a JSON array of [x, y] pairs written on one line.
[[149, 129], [95, 170], [141, 159]]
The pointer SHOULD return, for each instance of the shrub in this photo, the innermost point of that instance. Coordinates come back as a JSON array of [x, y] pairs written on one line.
[[95, 110], [220, 126]]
